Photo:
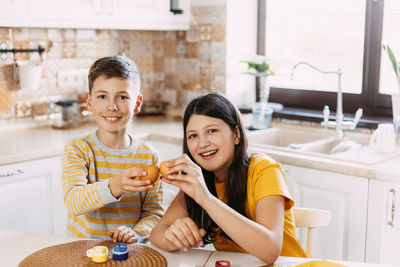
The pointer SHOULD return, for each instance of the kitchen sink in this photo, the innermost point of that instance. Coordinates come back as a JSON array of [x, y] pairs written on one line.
[[305, 140], [319, 142], [285, 137], [330, 146]]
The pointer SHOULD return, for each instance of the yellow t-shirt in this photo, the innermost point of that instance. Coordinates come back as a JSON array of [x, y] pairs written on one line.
[[265, 178]]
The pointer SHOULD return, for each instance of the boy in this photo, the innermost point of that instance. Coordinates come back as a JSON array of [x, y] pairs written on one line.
[[101, 193]]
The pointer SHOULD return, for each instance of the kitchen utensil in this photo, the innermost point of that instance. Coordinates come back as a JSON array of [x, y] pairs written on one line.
[[29, 75], [384, 139], [70, 115], [6, 99]]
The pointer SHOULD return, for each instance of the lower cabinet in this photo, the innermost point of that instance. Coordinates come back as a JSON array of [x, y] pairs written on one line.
[[383, 231], [31, 197], [347, 199]]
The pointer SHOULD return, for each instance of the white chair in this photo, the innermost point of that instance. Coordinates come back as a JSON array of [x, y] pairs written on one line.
[[168, 196], [311, 219]]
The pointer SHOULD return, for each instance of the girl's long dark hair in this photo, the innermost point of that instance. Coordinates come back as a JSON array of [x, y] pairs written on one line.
[[217, 106]]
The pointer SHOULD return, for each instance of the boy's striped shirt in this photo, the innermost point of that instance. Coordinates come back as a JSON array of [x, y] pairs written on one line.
[[92, 210]]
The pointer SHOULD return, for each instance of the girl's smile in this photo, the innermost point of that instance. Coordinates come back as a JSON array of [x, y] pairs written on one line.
[[211, 142], [208, 155]]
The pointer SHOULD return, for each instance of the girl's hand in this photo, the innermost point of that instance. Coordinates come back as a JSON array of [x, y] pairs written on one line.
[[126, 182], [184, 234], [123, 234], [187, 175]]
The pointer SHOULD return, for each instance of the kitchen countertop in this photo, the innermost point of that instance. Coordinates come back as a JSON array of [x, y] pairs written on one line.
[[16, 246], [29, 144]]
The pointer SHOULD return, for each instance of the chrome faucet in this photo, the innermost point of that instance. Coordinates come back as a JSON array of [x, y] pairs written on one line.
[[339, 124]]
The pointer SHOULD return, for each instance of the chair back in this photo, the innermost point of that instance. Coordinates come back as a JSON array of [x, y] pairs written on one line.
[[311, 219], [168, 196]]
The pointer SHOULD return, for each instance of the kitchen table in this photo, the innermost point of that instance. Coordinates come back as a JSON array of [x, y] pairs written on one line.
[[15, 246]]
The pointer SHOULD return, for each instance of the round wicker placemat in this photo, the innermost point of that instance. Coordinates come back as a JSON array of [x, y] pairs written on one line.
[[74, 254]]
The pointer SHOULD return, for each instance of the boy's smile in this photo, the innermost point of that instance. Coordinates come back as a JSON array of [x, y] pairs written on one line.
[[114, 102]]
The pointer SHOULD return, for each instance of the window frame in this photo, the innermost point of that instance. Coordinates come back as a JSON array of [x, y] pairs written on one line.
[[374, 104]]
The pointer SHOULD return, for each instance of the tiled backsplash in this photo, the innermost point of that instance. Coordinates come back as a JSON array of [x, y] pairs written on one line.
[[166, 59]]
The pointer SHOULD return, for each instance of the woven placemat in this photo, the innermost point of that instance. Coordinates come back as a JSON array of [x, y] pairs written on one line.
[[74, 254]]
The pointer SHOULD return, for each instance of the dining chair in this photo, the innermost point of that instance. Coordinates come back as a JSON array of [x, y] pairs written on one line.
[[310, 219], [168, 196]]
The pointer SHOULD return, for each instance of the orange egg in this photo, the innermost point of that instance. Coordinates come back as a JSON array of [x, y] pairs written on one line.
[[164, 168], [152, 173]]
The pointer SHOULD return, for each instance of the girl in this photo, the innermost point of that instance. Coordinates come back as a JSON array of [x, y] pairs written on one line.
[[238, 202]]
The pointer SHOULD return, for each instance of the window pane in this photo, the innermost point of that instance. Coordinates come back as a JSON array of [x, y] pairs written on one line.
[[327, 34], [390, 36]]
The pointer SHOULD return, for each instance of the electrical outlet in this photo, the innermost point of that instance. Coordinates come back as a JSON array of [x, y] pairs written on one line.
[[75, 78]]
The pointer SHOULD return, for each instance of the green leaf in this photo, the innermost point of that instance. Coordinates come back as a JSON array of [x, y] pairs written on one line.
[[259, 67], [263, 67], [392, 58]]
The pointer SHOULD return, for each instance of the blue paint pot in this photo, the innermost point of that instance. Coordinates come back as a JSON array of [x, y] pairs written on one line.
[[120, 252]]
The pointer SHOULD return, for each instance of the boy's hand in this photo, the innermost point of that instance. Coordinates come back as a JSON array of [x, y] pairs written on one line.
[[126, 183], [123, 234]]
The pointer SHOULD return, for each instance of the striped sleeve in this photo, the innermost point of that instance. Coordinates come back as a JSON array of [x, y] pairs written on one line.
[[81, 197]]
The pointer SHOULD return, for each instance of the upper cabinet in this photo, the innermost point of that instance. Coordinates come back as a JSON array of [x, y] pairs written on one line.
[[13, 10], [96, 14]]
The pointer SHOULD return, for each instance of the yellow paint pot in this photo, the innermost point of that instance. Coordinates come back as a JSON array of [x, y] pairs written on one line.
[[98, 254]]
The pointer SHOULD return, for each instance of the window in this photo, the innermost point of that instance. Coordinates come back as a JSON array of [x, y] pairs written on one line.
[[330, 34], [390, 36]]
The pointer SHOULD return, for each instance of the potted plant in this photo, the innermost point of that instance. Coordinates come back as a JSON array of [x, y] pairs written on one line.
[[395, 96]]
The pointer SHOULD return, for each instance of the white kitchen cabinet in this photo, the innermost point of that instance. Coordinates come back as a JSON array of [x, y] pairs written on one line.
[[60, 13], [95, 14], [346, 197], [150, 14], [13, 9], [31, 198], [383, 231]]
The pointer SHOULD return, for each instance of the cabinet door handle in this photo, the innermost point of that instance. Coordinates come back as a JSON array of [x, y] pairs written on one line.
[[11, 173], [393, 208]]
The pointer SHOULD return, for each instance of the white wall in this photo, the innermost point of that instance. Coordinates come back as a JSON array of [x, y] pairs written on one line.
[[208, 2], [241, 41]]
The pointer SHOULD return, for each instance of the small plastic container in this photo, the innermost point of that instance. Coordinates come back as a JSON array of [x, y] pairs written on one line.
[[98, 254], [262, 115], [222, 263], [120, 252]]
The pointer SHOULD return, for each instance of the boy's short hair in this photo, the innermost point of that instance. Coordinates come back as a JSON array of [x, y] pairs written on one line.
[[114, 66]]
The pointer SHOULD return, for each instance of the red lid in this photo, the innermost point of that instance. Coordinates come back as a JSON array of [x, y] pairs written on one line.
[[222, 263]]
